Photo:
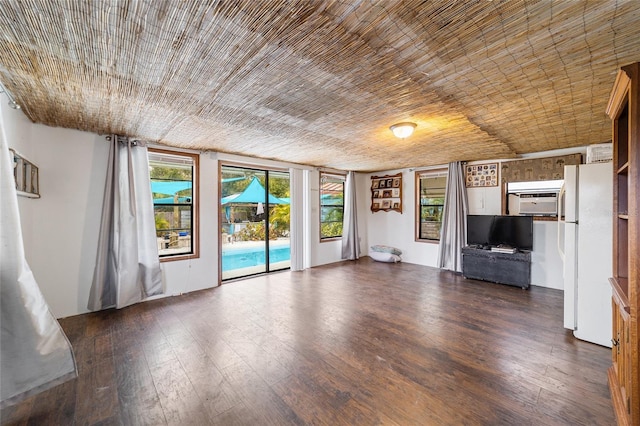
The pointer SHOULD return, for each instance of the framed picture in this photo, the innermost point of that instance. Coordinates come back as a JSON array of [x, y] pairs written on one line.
[[25, 174], [386, 193], [481, 175]]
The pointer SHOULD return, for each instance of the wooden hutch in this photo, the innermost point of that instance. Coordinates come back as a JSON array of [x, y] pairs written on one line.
[[624, 374]]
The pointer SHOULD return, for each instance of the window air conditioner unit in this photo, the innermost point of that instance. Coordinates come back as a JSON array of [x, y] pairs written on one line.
[[539, 204]]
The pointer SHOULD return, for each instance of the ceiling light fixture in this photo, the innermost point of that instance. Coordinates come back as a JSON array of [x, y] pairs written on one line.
[[403, 130]]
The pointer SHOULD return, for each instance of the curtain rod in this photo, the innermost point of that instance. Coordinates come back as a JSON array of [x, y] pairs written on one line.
[[12, 103]]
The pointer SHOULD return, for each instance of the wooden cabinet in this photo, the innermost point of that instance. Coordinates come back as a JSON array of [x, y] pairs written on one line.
[[624, 374]]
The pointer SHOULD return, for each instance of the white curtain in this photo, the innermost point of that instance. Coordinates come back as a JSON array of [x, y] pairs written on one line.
[[297, 219], [35, 354], [127, 265], [454, 220], [350, 238]]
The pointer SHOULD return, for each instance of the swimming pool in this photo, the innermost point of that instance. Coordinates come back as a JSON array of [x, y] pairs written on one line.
[[246, 257]]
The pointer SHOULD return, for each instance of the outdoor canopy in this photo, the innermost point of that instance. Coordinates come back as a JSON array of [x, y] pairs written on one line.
[[169, 187], [253, 194]]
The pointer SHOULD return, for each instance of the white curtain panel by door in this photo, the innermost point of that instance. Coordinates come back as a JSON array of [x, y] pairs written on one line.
[[454, 220], [297, 227], [35, 354], [350, 237], [127, 265]]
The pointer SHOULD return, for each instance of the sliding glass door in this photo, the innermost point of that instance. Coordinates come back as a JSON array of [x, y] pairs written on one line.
[[254, 221]]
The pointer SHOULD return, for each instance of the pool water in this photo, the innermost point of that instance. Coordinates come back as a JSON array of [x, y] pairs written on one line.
[[252, 256]]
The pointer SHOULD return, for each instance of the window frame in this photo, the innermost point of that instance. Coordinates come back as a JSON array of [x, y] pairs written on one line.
[[195, 203], [320, 222], [429, 173]]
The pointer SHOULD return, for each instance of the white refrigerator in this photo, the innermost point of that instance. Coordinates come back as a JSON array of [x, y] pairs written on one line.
[[585, 237]]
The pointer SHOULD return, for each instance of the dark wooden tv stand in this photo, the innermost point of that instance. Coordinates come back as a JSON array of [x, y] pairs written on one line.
[[503, 268]]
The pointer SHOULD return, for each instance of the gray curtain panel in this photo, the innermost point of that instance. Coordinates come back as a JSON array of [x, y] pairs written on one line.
[[350, 238], [454, 220], [127, 264], [35, 354]]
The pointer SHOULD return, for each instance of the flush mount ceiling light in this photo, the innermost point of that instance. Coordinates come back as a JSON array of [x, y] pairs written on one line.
[[403, 130]]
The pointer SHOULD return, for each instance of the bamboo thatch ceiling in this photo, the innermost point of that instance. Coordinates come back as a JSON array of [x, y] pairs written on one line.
[[320, 82]]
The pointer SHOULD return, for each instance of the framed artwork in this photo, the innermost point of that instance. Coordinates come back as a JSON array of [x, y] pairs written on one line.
[[386, 193], [482, 175], [25, 174]]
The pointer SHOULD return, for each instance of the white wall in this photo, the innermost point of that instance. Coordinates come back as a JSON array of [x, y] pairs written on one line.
[[184, 276], [397, 229], [546, 265], [61, 228]]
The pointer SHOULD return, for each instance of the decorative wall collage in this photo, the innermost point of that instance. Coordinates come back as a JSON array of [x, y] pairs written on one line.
[[479, 175], [386, 193]]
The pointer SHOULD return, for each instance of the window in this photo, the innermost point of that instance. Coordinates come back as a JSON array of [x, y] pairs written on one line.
[[173, 176], [431, 186], [331, 205]]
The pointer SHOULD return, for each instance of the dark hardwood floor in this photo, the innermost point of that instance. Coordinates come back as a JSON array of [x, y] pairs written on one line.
[[352, 343]]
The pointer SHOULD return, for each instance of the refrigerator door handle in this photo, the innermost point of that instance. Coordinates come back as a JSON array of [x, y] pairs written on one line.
[[561, 200]]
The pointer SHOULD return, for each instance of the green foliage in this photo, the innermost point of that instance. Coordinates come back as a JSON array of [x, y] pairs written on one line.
[[170, 173], [431, 213], [161, 222], [278, 187], [280, 218], [255, 232], [234, 187], [331, 229], [332, 214]]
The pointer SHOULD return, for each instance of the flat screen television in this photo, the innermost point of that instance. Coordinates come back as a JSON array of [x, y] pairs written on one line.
[[512, 231], [479, 230]]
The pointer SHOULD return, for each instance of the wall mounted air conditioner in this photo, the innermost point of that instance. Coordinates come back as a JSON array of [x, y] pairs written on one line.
[[539, 204]]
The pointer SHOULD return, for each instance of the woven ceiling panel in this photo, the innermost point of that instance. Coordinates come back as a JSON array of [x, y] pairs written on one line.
[[320, 82]]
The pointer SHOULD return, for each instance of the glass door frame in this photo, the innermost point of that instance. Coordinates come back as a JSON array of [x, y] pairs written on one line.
[[259, 170]]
